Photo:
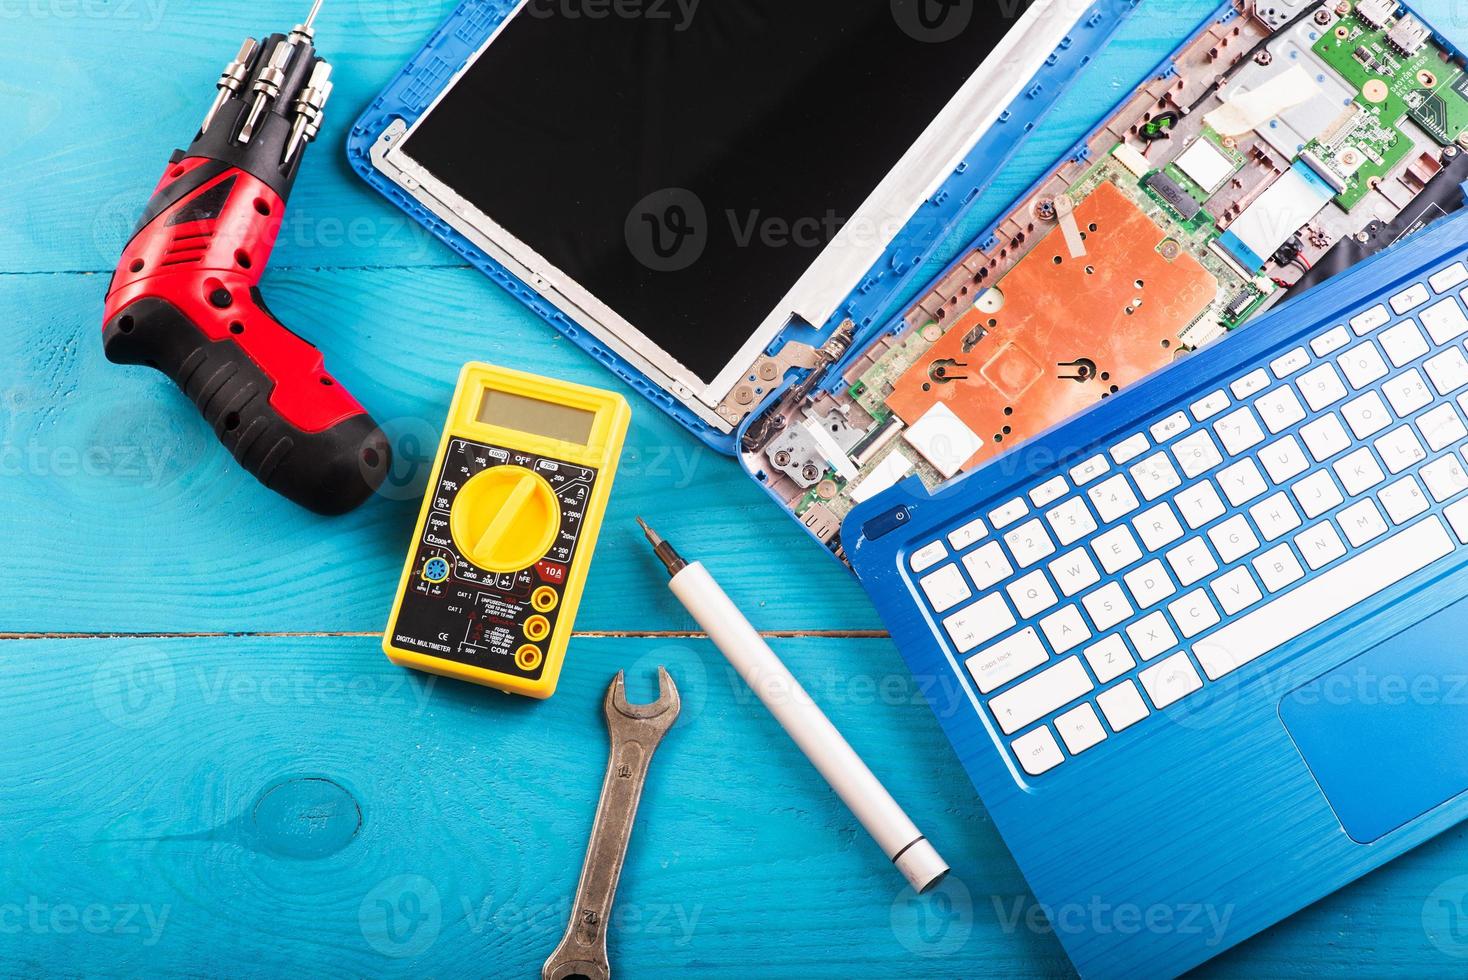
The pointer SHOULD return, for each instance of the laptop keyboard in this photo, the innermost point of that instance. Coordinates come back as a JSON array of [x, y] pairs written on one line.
[[1207, 539]]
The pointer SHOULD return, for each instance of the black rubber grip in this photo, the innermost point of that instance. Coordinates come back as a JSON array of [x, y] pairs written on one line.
[[330, 472]]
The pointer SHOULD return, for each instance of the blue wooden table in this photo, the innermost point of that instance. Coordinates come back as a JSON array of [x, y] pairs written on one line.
[[208, 766]]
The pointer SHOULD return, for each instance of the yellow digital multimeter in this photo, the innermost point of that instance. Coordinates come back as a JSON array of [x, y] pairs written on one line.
[[508, 525]]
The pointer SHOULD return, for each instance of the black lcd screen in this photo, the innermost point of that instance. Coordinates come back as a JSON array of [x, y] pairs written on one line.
[[686, 160]]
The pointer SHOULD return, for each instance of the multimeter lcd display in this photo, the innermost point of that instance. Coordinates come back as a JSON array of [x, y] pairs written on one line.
[[559, 422], [764, 123]]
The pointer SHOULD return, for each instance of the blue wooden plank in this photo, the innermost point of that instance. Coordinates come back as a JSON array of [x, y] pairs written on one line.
[[251, 806], [111, 483]]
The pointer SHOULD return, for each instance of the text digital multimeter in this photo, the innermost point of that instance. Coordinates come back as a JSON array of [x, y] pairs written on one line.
[[508, 525]]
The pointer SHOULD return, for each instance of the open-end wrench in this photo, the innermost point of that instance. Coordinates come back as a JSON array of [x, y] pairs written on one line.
[[636, 730]]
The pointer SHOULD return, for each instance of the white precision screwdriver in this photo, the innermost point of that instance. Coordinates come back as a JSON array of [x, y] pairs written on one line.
[[807, 724]]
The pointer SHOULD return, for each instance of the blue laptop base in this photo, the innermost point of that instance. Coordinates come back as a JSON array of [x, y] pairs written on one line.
[[1204, 820]]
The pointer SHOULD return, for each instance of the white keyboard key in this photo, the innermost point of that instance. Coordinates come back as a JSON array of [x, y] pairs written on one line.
[[1158, 527], [1278, 567], [1235, 590], [1107, 606], [1364, 323], [1325, 437], [1330, 342], [1410, 298], [1199, 504], [927, 556], [1400, 449], [1252, 383], [1152, 635], [1403, 343], [1031, 594], [1283, 460], [1362, 522], [1030, 700], [1080, 729], [1006, 514], [1029, 543], [1110, 658], [1116, 549], [1233, 539], [1359, 472], [1403, 500], [1065, 629], [1196, 453], [1169, 427], [1074, 572], [1275, 517], [1193, 613], [1362, 365], [1149, 584], [1170, 681], [1287, 364], [1448, 371], [1441, 427], [1457, 515], [1320, 545], [1239, 431], [1089, 470], [1037, 752], [979, 623], [1010, 658], [1071, 521], [1317, 493], [945, 588], [1122, 705], [1407, 392], [1322, 387], [988, 566], [1453, 275], [1324, 597], [1366, 415], [1445, 321], [1445, 478], [1049, 491], [1280, 408], [1113, 498], [1191, 561], [1208, 406], [1154, 476], [1242, 482], [1129, 449], [971, 533]]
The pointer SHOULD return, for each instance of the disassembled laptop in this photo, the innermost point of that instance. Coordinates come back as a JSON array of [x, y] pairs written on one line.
[[1287, 145]]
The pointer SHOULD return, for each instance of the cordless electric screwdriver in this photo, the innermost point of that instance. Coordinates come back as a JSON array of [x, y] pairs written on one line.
[[185, 296]]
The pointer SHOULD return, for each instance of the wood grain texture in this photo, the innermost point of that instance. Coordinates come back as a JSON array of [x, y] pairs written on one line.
[[252, 805], [249, 804]]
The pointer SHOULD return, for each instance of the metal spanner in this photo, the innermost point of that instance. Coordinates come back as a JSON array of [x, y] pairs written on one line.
[[636, 730]]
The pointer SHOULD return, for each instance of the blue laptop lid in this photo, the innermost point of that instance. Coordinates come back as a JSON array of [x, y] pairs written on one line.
[[472, 24]]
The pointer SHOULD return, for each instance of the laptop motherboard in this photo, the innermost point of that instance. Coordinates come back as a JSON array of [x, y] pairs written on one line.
[[1286, 144]]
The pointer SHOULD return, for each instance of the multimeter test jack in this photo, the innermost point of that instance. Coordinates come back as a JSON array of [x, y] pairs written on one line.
[[504, 539]]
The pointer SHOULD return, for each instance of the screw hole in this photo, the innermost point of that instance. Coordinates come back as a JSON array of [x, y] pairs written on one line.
[[242, 258], [262, 206], [137, 265], [231, 422], [236, 328], [126, 324], [371, 457], [327, 381]]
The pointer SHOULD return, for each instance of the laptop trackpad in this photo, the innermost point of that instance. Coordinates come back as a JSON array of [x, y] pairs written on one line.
[[1384, 733]]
